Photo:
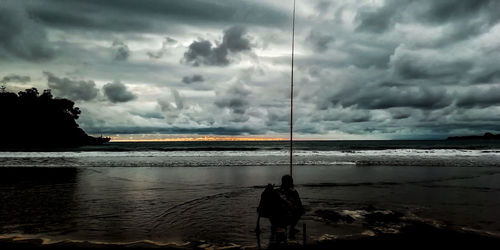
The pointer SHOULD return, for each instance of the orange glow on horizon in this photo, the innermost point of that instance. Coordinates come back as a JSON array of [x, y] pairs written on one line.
[[205, 138]]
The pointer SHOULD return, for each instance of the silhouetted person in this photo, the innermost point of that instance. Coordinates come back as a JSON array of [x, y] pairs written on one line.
[[283, 207]]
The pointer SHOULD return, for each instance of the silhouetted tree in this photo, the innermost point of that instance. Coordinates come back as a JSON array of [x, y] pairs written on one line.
[[29, 119]]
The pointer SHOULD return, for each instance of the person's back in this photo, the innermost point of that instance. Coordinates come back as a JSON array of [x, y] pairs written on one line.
[[282, 206]]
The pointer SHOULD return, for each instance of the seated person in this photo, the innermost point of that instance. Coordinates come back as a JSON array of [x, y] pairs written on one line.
[[283, 207]]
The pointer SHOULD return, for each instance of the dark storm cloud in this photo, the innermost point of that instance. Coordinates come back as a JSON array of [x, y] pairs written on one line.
[[132, 15], [488, 77], [118, 92], [15, 78], [398, 115], [348, 115], [202, 52], [414, 65], [193, 78], [236, 99], [121, 52], [422, 67], [21, 36], [72, 89], [381, 19], [460, 13], [379, 97], [175, 130], [456, 10], [479, 97], [234, 39]]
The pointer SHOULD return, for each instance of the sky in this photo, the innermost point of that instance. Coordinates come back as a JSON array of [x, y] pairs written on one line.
[[368, 69]]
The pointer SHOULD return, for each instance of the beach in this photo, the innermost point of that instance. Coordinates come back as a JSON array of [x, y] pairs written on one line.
[[187, 195]]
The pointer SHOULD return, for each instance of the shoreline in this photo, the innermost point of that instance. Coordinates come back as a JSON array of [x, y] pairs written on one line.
[[416, 234]]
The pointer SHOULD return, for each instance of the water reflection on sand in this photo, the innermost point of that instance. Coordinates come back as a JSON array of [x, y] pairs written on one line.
[[218, 204]]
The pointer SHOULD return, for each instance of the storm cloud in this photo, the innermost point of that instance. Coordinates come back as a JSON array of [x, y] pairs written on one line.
[[121, 52], [15, 78], [385, 96], [150, 15], [235, 99], [118, 92], [363, 69], [203, 52], [193, 78], [72, 89], [21, 36]]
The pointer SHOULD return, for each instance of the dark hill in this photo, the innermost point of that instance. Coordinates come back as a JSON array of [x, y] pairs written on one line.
[[486, 136], [29, 119]]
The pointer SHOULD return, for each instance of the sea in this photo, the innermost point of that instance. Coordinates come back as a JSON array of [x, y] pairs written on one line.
[[208, 192]]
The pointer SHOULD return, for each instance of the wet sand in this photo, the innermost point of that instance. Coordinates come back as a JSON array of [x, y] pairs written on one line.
[[382, 229], [413, 237]]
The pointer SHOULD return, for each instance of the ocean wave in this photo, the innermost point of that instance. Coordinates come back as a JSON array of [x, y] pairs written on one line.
[[204, 152]]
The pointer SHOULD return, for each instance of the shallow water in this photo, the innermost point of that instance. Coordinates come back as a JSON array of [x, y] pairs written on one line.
[[211, 194]]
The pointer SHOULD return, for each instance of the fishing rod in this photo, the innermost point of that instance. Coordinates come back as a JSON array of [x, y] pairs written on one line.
[[291, 94], [257, 228]]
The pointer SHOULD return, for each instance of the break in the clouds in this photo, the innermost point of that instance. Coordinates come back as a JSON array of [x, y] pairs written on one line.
[[164, 48], [363, 69]]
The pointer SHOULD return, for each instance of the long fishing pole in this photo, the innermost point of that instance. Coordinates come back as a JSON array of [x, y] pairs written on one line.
[[291, 94]]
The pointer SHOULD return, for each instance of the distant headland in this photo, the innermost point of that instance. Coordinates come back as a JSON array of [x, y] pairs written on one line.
[[33, 120], [486, 136]]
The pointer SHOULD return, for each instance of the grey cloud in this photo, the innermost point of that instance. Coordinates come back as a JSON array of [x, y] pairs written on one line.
[[175, 130], [118, 92], [381, 19], [234, 39], [398, 115], [193, 78], [166, 106], [121, 52], [202, 52], [487, 77], [235, 98], [419, 65], [378, 97], [72, 89], [479, 97], [322, 6], [15, 78], [278, 120], [148, 15], [153, 115], [464, 15], [465, 19], [319, 40], [349, 115], [21, 36], [452, 10], [159, 54], [179, 101]]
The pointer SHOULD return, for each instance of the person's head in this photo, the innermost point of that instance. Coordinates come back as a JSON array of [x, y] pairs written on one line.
[[286, 182]]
